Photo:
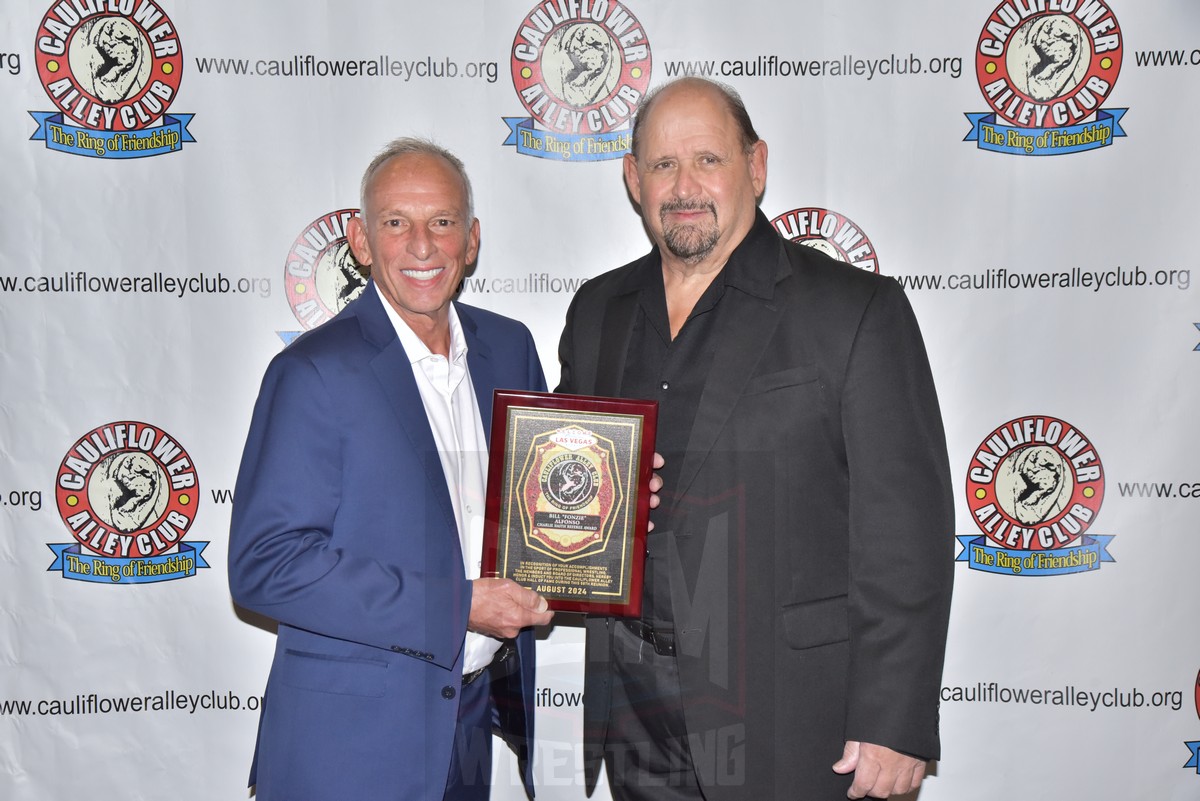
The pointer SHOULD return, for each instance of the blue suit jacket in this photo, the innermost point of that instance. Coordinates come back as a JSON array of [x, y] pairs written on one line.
[[342, 530]]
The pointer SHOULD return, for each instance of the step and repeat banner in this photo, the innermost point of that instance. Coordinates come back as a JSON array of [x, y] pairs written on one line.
[[177, 179]]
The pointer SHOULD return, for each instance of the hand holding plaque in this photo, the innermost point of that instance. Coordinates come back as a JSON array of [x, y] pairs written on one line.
[[568, 498]]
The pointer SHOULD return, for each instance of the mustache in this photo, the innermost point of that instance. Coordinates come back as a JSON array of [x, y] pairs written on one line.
[[694, 204]]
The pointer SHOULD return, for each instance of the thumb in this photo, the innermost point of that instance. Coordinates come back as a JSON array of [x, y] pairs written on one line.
[[532, 601], [849, 760]]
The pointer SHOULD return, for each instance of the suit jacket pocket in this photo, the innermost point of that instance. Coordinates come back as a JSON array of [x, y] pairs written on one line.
[[813, 623], [343, 675], [792, 376]]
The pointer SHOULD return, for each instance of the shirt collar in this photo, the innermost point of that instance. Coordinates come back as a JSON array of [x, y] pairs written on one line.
[[751, 267], [413, 346]]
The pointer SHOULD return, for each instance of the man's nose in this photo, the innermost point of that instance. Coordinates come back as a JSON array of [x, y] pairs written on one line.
[[686, 183], [420, 242]]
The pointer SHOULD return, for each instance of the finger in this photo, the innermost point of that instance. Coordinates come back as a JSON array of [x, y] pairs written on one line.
[[885, 782], [538, 615], [527, 598], [531, 601], [659, 461], [865, 776], [849, 760], [908, 781]]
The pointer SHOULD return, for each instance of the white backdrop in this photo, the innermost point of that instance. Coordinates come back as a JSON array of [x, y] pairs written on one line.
[[142, 294]]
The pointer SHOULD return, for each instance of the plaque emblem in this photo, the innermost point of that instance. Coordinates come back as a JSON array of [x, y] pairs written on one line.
[[572, 496]]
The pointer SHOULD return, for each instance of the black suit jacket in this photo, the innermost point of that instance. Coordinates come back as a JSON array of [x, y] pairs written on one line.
[[810, 535]]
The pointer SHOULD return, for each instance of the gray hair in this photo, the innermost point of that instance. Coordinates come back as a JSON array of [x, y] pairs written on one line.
[[733, 102], [411, 145]]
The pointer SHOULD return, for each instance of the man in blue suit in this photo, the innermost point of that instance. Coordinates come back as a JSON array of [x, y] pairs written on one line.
[[358, 519]]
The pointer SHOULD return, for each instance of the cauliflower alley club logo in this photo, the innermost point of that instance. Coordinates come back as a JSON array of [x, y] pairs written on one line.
[[1194, 746], [113, 69], [128, 494], [831, 233], [1034, 487], [572, 493], [1044, 67], [321, 275], [580, 68]]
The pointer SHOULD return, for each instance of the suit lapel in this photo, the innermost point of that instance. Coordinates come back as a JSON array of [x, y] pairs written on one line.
[[481, 366], [615, 334], [749, 322], [393, 370], [616, 328]]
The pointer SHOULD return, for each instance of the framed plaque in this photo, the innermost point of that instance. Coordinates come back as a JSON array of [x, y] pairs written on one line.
[[568, 498]]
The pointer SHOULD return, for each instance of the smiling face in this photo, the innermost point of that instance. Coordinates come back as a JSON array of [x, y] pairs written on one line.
[[694, 179], [417, 235]]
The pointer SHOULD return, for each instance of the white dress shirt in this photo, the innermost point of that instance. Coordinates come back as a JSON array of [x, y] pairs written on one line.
[[453, 413]]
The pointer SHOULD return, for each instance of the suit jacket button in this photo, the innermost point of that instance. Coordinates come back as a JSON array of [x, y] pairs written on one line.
[[448, 692]]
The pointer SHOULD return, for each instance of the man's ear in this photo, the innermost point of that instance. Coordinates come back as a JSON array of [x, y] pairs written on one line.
[[758, 167], [632, 181], [473, 242], [356, 235]]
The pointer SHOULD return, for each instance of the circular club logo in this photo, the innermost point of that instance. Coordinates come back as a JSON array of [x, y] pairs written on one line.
[[1035, 484], [1040, 69], [570, 481], [321, 274], [109, 71], [127, 491], [580, 69], [833, 234]]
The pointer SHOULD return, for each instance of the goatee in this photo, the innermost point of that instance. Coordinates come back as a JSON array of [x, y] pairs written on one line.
[[690, 242]]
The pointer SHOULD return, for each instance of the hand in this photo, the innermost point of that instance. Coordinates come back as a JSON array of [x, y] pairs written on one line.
[[879, 772], [656, 483], [500, 608]]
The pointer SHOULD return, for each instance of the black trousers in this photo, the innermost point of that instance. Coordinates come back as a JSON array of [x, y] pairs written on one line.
[[646, 753]]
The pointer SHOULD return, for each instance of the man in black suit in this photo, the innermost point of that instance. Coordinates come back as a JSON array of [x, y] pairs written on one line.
[[798, 579]]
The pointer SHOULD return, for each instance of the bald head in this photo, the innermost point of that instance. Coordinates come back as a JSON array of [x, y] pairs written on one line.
[[699, 86], [414, 146]]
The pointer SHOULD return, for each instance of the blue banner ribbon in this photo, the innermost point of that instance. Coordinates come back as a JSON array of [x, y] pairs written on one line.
[[530, 141], [1056, 141], [1194, 762], [75, 564], [981, 554], [68, 138]]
